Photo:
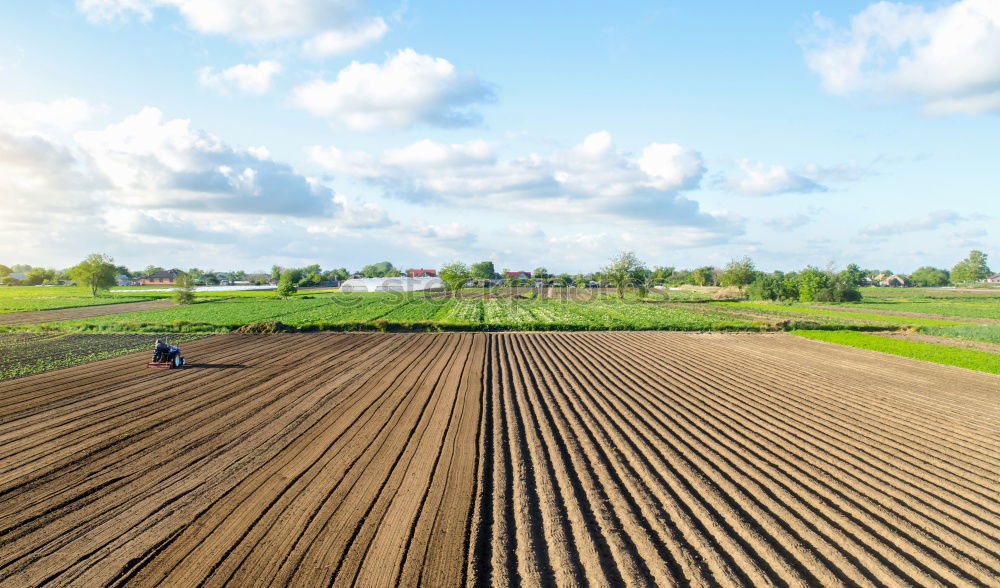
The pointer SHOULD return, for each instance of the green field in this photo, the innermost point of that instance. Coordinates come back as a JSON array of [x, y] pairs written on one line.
[[973, 360], [980, 304], [396, 311], [529, 310]]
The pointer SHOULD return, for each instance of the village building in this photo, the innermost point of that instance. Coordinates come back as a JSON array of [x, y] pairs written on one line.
[[161, 278], [421, 273]]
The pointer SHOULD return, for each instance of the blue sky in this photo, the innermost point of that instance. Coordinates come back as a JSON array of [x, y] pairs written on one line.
[[240, 134]]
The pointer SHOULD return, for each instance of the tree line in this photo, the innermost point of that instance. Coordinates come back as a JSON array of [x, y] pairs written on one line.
[[624, 271]]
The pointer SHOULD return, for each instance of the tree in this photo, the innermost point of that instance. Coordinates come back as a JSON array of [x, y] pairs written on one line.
[[661, 274], [96, 271], [483, 270], [773, 287], [810, 281], [382, 269], [541, 273], [739, 273], [5, 271], [455, 275], [624, 270], [851, 275], [151, 269], [184, 289], [929, 277], [971, 269], [702, 276], [286, 283], [36, 276], [276, 272]]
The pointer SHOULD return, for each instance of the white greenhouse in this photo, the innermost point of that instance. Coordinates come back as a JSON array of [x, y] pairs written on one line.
[[392, 285]]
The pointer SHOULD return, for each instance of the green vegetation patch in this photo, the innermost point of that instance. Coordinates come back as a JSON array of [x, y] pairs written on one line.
[[965, 358]]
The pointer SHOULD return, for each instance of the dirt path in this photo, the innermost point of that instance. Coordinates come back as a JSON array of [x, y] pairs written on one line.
[[507, 459], [81, 312]]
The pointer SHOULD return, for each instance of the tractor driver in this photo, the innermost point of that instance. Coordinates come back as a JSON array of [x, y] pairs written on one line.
[[161, 351]]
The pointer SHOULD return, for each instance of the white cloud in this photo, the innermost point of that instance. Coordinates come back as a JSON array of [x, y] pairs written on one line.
[[337, 42], [157, 164], [331, 26], [673, 166], [948, 56], [64, 114], [408, 88], [759, 179], [589, 182], [245, 77]]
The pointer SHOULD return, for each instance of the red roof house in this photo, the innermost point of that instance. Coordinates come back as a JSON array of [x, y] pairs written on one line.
[[421, 273], [519, 275]]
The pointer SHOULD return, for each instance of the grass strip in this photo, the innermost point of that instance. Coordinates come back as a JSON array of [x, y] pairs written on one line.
[[974, 360]]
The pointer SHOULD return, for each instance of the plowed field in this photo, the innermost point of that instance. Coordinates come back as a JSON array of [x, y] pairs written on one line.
[[474, 459], [81, 312]]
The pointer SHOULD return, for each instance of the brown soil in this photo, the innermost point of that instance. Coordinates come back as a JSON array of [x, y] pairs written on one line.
[[81, 312], [946, 341], [473, 459]]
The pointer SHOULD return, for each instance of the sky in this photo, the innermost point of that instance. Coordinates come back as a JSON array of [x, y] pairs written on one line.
[[239, 134]]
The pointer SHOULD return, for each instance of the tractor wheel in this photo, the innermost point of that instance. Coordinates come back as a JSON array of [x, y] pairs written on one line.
[[178, 361]]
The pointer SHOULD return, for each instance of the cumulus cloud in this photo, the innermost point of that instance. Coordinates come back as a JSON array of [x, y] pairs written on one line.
[[153, 163], [337, 42], [759, 179], [329, 26], [65, 114], [947, 56], [591, 181], [245, 77], [408, 88]]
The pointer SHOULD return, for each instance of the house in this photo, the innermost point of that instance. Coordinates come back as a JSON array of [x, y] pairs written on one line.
[[994, 279], [894, 281], [19, 276], [421, 273], [162, 278], [518, 275]]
